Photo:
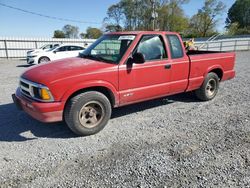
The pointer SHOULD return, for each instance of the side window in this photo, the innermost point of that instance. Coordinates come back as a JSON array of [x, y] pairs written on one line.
[[62, 49], [75, 48], [175, 46], [152, 47]]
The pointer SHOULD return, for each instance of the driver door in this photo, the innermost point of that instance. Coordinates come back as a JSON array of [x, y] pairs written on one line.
[[139, 82], [61, 52]]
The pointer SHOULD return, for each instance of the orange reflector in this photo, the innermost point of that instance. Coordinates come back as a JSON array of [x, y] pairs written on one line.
[[45, 94]]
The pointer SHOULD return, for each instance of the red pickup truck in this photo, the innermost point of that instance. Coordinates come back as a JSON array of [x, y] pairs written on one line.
[[119, 69]]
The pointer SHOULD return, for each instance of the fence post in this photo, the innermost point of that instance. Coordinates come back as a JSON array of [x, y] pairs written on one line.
[[249, 45], [36, 44], [220, 46], [6, 49], [207, 46], [235, 43]]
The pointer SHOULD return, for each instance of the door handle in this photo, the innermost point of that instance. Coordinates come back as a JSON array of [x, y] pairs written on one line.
[[168, 66]]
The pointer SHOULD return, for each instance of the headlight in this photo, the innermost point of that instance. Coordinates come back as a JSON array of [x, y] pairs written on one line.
[[42, 93], [36, 91]]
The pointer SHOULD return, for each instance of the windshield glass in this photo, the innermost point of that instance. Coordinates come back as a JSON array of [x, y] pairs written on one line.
[[43, 46], [52, 48], [109, 48]]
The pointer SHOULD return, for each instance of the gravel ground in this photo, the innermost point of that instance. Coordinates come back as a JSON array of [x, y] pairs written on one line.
[[172, 142]]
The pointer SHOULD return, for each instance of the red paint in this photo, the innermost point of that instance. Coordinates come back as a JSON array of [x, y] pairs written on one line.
[[140, 82]]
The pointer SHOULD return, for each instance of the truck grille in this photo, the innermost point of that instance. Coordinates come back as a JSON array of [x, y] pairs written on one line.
[[27, 88]]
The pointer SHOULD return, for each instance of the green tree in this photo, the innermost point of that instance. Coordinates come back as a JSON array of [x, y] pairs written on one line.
[[115, 14], [114, 18], [137, 15], [238, 19], [93, 33], [82, 35], [59, 34], [171, 16], [204, 22], [113, 28], [70, 31]]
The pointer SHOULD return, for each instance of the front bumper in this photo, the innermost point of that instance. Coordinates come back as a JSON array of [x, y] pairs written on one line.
[[44, 112], [32, 60]]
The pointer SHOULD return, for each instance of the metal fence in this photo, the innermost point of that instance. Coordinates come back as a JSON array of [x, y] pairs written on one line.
[[17, 47], [237, 44]]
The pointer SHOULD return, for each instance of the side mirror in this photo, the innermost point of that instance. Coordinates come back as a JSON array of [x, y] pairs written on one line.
[[138, 58], [54, 52]]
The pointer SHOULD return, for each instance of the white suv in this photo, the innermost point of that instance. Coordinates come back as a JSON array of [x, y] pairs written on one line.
[[58, 52]]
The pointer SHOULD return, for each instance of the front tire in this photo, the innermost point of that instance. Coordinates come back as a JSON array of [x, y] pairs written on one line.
[[43, 60], [87, 113], [209, 88]]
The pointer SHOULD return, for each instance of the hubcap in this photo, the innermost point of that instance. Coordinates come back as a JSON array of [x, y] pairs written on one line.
[[91, 114], [44, 60], [211, 87]]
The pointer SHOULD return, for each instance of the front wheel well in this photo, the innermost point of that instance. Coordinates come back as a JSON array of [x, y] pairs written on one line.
[[107, 92], [43, 57], [218, 71]]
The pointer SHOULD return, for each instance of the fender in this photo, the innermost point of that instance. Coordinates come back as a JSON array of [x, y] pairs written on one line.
[[209, 69], [196, 83], [88, 84]]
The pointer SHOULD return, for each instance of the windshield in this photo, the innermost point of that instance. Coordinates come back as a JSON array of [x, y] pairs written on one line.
[[43, 46], [49, 50], [109, 48]]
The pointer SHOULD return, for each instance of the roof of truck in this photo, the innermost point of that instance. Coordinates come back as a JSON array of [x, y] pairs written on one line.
[[141, 32]]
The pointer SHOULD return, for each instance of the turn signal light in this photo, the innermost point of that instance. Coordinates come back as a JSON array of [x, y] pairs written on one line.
[[45, 95]]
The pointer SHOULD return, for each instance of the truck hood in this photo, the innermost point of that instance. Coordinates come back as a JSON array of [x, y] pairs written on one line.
[[59, 70]]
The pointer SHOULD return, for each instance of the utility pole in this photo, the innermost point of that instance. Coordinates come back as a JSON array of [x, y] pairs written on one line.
[[154, 14]]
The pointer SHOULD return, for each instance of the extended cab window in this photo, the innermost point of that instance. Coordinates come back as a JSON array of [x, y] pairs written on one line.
[[152, 47], [62, 49], [175, 46]]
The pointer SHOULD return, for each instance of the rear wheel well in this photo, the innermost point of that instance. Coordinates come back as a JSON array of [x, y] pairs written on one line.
[[107, 92], [219, 72]]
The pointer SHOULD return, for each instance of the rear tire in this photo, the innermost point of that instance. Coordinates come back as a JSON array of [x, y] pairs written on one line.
[[87, 113], [209, 88], [43, 60]]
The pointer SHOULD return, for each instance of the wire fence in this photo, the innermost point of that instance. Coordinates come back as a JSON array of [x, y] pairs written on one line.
[[18, 47]]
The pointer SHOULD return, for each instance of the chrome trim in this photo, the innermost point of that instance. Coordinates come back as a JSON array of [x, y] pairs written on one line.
[[30, 90]]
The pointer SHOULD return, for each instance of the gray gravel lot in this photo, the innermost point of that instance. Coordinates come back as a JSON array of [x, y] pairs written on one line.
[[172, 142]]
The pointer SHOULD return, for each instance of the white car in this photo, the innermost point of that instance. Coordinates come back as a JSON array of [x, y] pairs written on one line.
[[42, 48], [59, 52]]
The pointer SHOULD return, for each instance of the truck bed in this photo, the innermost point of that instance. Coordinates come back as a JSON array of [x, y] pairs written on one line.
[[202, 62]]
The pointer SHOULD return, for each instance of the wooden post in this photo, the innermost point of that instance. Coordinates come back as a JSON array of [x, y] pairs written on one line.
[[6, 49]]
